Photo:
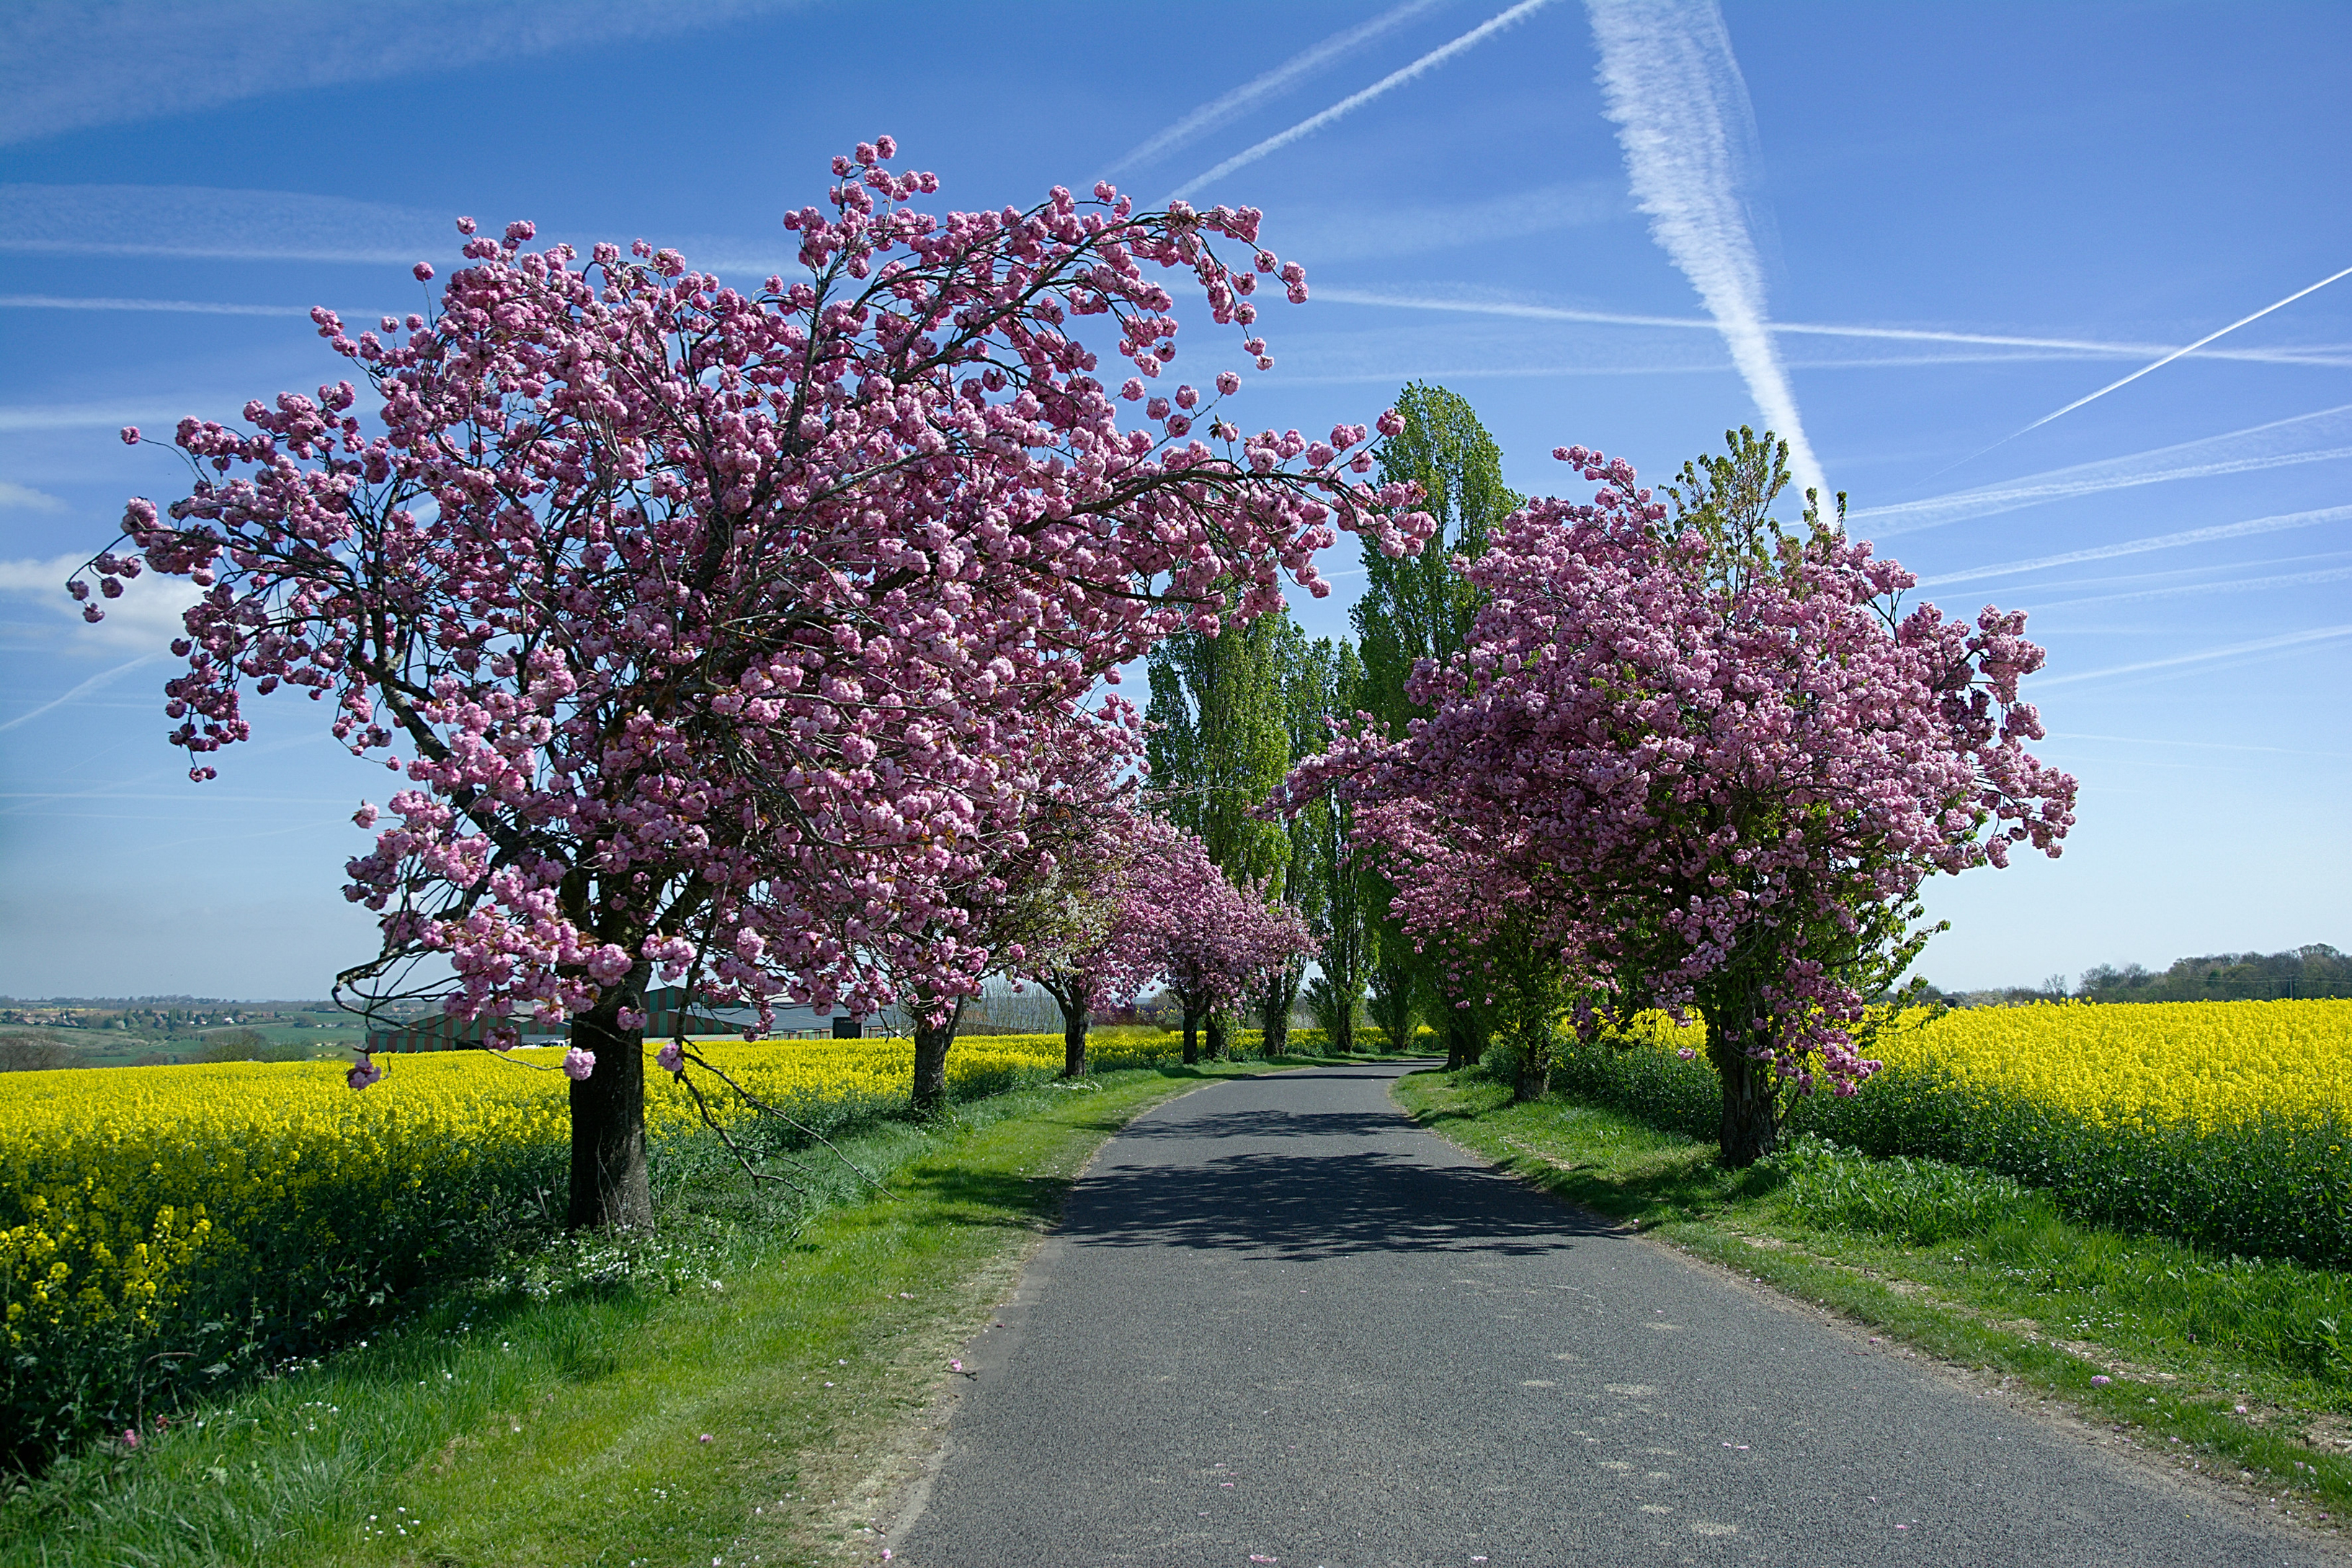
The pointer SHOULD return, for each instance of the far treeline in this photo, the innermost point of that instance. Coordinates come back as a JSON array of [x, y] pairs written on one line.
[[2317, 970], [2313, 970]]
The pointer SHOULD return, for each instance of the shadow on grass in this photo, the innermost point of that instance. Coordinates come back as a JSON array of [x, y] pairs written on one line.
[[1645, 1178], [1001, 1199]]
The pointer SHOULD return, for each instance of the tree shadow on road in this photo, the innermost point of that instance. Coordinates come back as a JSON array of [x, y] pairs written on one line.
[[1272, 1124], [1302, 1206]]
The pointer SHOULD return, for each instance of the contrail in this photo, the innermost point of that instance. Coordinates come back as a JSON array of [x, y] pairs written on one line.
[[81, 416], [2155, 541], [2127, 380], [2192, 348], [2260, 644], [102, 678], [1684, 120], [2255, 448], [2083, 347], [1250, 94], [2196, 745], [2229, 585], [1348, 105], [193, 307]]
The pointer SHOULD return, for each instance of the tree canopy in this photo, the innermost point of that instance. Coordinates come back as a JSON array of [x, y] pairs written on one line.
[[1678, 764], [697, 621]]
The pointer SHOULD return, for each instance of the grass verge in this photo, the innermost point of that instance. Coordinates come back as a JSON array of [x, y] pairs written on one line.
[[2234, 1367], [724, 1391]]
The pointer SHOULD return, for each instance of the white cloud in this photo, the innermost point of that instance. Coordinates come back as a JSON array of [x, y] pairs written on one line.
[[24, 498], [144, 620], [1673, 88], [68, 64]]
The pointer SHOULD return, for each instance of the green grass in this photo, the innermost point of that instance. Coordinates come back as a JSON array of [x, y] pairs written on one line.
[[557, 1414], [2262, 1187], [1975, 1269]]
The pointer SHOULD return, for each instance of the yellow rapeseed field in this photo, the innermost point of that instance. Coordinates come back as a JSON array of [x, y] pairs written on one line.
[[2208, 1064], [113, 1180], [2211, 1064]]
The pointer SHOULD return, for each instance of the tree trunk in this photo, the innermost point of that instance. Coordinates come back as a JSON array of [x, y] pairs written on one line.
[[1221, 1034], [1281, 992], [1192, 1034], [1752, 1119], [931, 1043], [1074, 1041], [1343, 1039], [1460, 1039], [1535, 1071], [610, 1187]]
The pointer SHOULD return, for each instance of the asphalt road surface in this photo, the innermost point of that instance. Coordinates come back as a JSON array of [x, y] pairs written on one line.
[[1281, 1323]]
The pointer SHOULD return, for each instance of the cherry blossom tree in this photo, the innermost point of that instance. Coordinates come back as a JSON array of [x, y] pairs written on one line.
[[1699, 762], [693, 618], [1069, 794], [1206, 938], [1087, 944]]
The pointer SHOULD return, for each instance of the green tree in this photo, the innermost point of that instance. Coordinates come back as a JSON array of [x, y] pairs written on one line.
[[1221, 743], [1321, 680], [1417, 608]]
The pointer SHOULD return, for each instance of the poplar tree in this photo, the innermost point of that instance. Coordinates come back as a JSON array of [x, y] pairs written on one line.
[[1339, 897], [1422, 608], [1319, 681], [1219, 746]]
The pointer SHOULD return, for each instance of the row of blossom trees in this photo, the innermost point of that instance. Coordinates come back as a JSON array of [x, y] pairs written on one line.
[[747, 639], [1686, 759], [745, 636]]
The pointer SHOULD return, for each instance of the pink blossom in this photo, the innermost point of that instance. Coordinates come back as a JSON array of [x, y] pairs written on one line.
[[363, 1072], [1671, 771], [775, 727], [672, 1057], [578, 1064]]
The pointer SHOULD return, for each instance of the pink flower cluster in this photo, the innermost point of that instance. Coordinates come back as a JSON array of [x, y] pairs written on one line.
[[708, 627], [1206, 938], [1699, 786]]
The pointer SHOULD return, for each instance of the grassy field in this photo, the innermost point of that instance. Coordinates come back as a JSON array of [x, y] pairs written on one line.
[[745, 1385], [2227, 1124], [2238, 1368], [166, 1232]]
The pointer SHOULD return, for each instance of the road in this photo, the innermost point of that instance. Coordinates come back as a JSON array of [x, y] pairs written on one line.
[[1283, 1323]]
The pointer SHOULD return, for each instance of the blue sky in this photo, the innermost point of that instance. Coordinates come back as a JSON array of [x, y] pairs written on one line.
[[1908, 231]]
